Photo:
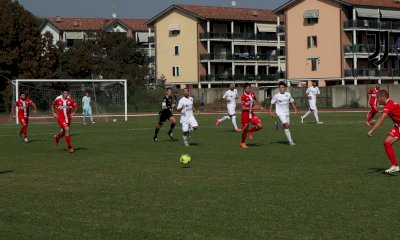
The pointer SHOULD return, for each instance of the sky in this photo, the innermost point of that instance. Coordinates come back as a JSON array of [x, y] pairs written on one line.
[[127, 8]]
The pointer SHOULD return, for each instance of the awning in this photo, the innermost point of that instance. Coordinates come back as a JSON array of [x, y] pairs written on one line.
[[143, 37], [367, 12], [262, 27], [73, 35], [311, 13], [174, 27], [390, 14]]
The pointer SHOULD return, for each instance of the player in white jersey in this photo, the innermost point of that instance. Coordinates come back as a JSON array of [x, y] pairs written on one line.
[[87, 108], [230, 96], [282, 100], [188, 121], [312, 93]]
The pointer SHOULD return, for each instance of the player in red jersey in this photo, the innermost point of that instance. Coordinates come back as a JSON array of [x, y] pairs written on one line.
[[373, 102], [391, 109], [249, 104], [23, 105], [62, 110]]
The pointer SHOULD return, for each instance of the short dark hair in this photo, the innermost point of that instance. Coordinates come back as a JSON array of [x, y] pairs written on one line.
[[281, 83], [247, 85], [23, 93], [168, 88], [383, 92], [314, 81], [65, 90]]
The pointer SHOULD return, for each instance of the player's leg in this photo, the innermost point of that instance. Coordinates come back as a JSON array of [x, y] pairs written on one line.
[[371, 114], [388, 144], [90, 115], [257, 124], [173, 124], [68, 138], [307, 113], [58, 136], [285, 120], [24, 129], [161, 121], [84, 112], [185, 130], [218, 121], [245, 128]]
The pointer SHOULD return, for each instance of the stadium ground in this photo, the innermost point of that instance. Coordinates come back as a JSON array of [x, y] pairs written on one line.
[[121, 185]]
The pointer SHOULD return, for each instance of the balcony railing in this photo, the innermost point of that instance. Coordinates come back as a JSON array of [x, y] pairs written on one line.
[[371, 24], [239, 36], [242, 77], [361, 48], [372, 72], [280, 29], [238, 57]]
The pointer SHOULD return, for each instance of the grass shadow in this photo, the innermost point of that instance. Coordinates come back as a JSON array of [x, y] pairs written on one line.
[[382, 171]]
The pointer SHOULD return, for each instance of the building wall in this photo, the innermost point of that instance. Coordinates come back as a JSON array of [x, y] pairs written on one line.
[[328, 32], [53, 30], [187, 40]]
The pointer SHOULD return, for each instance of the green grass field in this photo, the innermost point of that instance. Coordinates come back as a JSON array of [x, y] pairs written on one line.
[[121, 185]]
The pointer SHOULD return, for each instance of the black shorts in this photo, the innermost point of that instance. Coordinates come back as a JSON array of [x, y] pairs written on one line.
[[164, 116]]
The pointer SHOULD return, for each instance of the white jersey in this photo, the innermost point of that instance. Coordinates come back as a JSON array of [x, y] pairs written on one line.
[[313, 92], [282, 102], [187, 109], [231, 97]]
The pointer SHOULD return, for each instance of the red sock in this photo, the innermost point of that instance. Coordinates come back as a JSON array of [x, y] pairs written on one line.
[[390, 153], [24, 131], [68, 140], [244, 135], [254, 129], [60, 135], [371, 116]]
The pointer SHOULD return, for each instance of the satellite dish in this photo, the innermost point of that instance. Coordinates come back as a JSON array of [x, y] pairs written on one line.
[[233, 3], [114, 15]]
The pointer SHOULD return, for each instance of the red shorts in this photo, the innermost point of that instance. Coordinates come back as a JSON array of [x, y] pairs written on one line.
[[246, 122], [23, 120], [395, 133], [63, 123]]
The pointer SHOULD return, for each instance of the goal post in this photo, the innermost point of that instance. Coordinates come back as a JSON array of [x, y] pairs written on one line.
[[109, 97]]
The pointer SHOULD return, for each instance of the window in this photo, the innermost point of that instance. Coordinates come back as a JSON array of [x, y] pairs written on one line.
[[175, 32], [314, 64], [175, 71], [70, 42], [311, 41], [176, 48], [312, 20]]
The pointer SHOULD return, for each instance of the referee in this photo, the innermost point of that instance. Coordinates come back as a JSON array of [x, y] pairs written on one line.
[[165, 114]]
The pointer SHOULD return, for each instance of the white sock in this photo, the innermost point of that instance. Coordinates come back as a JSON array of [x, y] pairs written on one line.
[[306, 114], [288, 135], [234, 122], [224, 118], [316, 116]]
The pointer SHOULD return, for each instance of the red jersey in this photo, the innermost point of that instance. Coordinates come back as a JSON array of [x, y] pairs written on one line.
[[373, 100], [392, 109], [248, 100], [23, 107], [64, 109]]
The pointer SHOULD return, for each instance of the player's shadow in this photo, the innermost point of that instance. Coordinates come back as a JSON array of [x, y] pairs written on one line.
[[381, 171], [168, 140], [194, 144], [76, 149], [35, 140], [280, 142], [255, 144], [6, 172]]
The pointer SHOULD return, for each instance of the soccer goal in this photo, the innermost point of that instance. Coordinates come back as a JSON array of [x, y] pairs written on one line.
[[108, 96]]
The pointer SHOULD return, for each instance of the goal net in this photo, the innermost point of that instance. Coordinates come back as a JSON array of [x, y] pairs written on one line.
[[108, 97]]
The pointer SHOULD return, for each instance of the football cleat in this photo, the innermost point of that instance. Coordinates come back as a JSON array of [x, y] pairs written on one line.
[[171, 136], [238, 130], [217, 122], [186, 143], [155, 139], [243, 145], [26, 140], [320, 122], [56, 140], [71, 150], [292, 144], [367, 123], [250, 135], [392, 169], [276, 126]]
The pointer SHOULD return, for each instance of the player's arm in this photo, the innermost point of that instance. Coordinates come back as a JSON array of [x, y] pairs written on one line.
[[271, 114], [35, 110], [75, 108], [259, 105], [377, 124], [294, 106], [180, 106], [164, 105], [197, 110]]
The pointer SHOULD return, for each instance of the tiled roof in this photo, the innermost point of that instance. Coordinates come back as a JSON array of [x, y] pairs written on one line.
[[230, 13], [93, 24], [374, 3]]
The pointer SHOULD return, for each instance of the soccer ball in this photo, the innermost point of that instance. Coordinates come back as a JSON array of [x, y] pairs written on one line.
[[114, 120], [185, 159]]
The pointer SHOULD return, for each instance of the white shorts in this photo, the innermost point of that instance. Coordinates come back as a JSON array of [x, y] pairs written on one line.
[[313, 105], [284, 118], [231, 111], [191, 122]]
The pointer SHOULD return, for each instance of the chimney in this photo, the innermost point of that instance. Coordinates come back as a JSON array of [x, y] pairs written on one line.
[[58, 19], [255, 13], [76, 23]]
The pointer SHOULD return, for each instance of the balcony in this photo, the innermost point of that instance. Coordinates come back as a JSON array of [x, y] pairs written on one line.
[[242, 77], [368, 49], [371, 25], [281, 29], [238, 36], [238, 57], [372, 73]]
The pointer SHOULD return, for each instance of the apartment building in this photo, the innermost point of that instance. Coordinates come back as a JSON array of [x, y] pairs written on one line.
[[205, 46], [342, 42]]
